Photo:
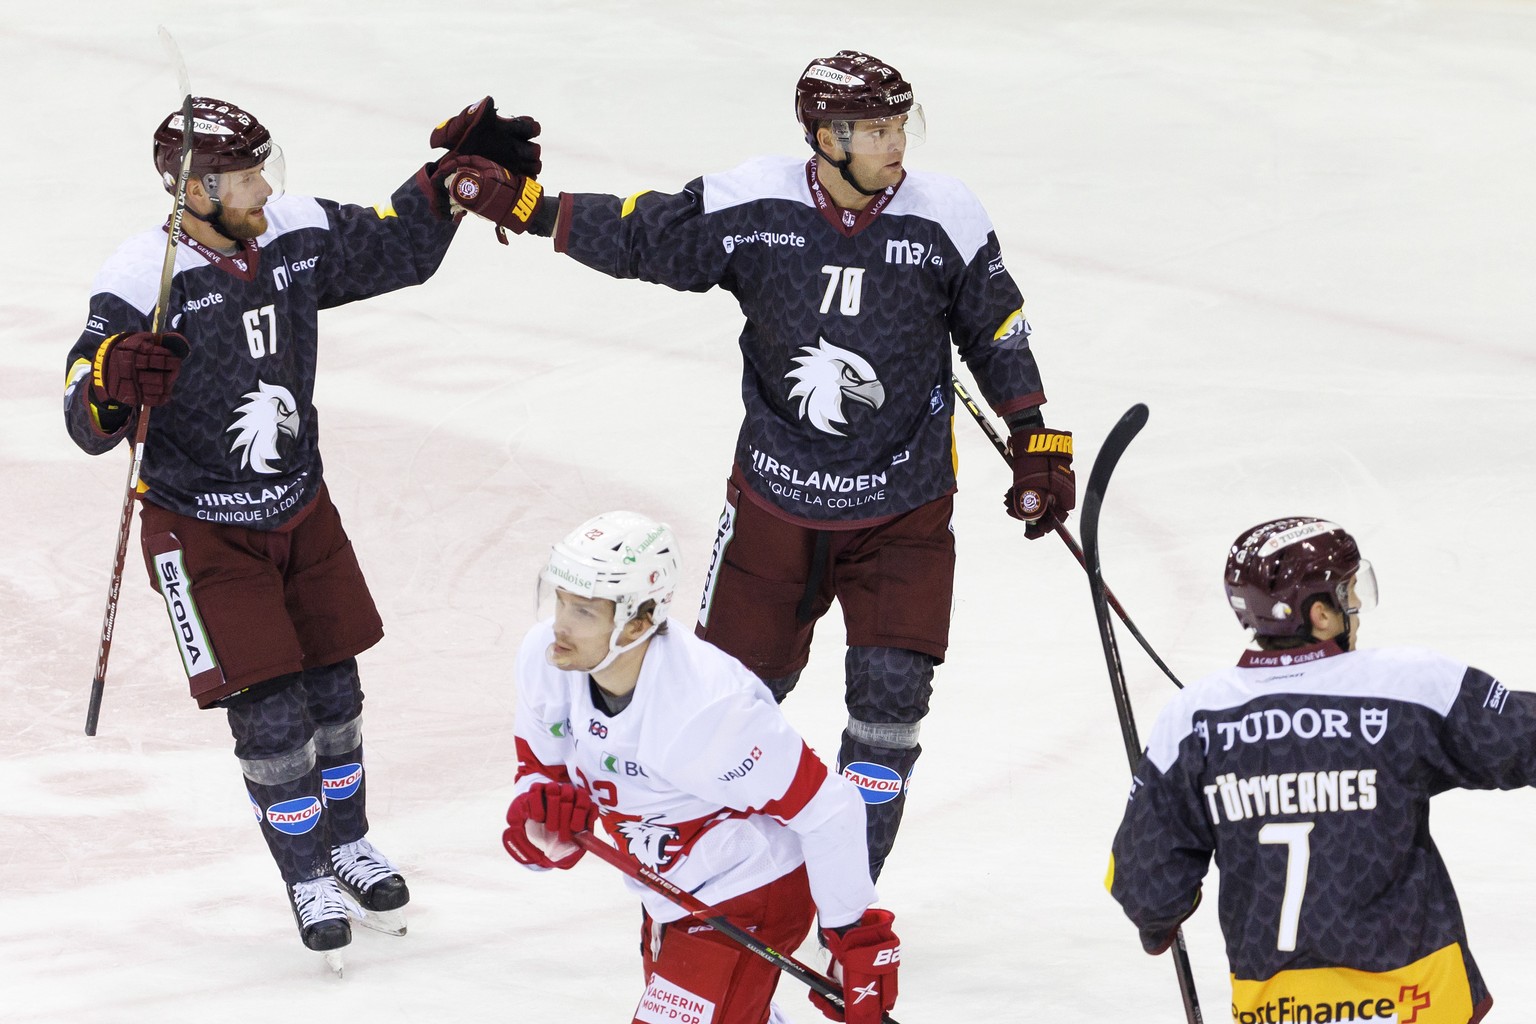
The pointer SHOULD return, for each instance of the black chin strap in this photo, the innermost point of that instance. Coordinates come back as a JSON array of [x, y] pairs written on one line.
[[842, 168]]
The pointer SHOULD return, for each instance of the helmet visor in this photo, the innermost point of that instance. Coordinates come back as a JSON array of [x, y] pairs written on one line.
[[1358, 593], [881, 134], [250, 188]]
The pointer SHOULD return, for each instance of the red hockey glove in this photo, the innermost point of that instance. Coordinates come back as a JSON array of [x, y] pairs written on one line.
[[864, 958], [542, 821], [137, 368], [491, 191], [1044, 488], [478, 130]]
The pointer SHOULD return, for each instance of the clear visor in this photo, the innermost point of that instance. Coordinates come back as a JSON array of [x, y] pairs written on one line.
[[248, 189], [1358, 593], [882, 134]]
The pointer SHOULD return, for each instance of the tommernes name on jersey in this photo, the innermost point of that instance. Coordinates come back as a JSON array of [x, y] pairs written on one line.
[[238, 441], [849, 323], [1308, 774]]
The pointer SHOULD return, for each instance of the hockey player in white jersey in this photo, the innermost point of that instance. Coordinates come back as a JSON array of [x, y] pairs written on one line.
[[695, 773], [1306, 770]]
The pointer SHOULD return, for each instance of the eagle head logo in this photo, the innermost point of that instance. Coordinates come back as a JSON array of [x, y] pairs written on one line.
[[650, 842], [266, 413], [824, 376]]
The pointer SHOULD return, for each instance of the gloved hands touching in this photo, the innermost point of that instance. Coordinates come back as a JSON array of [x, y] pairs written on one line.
[[865, 957], [478, 130], [137, 368], [542, 822], [1044, 487]]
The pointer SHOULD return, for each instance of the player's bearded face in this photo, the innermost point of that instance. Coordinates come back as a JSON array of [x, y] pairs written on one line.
[[583, 631]]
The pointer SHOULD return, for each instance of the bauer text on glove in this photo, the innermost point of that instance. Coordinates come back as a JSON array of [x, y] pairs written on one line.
[[865, 957]]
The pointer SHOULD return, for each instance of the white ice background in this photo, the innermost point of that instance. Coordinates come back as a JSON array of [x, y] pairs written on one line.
[[1301, 231]]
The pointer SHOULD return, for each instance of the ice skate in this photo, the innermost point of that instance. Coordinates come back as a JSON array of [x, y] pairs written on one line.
[[321, 908], [375, 883]]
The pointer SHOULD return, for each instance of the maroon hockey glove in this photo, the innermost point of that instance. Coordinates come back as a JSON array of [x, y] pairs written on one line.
[[491, 191], [864, 958], [478, 130], [137, 368], [1044, 488], [541, 822]]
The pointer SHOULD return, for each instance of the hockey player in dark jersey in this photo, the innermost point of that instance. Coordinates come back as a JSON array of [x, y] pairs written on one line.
[[1306, 771], [267, 601], [855, 277]]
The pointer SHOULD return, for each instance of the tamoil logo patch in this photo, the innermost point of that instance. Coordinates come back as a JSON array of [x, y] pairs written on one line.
[[295, 817], [341, 782], [877, 783]]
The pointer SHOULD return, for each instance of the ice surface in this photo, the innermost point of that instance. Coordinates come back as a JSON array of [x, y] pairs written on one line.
[[1301, 232]]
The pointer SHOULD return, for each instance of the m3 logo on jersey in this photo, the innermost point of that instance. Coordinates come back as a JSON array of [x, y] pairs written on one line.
[[280, 277], [267, 414], [901, 252], [295, 817], [825, 376], [340, 782], [877, 783]]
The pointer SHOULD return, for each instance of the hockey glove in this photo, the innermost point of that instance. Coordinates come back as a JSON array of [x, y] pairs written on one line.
[[864, 958], [1044, 488], [137, 368], [491, 191], [478, 130], [542, 821]]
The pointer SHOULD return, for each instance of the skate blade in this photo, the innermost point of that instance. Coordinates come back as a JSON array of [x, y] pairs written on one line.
[[390, 922], [334, 961]]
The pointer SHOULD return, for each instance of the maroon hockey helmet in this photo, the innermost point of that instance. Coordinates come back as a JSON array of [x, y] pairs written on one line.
[[849, 86], [224, 138], [1275, 568]]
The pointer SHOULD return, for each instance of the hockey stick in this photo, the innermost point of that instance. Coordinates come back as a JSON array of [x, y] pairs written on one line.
[[1061, 530], [712, 916], [167, 271], [1098, 480]]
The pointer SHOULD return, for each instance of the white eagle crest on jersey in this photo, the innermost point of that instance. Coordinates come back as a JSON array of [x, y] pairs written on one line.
[[648, 841], [266, 413], [827, 374]]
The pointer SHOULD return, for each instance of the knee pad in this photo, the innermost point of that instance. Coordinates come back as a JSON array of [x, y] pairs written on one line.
[[888, 685], [334, 692], [273, 727]]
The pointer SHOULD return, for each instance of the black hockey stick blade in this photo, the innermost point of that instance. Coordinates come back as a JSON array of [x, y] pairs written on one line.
[[1119, 439]]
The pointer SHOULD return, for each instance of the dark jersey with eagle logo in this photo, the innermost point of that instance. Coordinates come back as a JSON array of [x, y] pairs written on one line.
[[1307, 774], [238, 441], [849, 322]]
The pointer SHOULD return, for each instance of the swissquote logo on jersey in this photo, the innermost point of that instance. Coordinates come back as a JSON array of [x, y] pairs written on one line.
[[267, 414], [826, 376]]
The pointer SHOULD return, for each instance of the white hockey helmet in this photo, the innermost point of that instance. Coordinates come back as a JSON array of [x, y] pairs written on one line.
[[623, 557]]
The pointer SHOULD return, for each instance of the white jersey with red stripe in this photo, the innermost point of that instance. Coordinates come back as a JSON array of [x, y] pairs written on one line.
[[700, 777]]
